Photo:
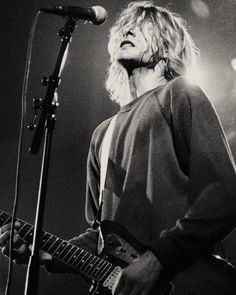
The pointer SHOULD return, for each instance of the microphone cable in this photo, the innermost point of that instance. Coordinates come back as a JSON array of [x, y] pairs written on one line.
[[19, 148]]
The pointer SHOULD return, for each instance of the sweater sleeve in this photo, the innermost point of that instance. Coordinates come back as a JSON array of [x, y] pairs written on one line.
[[93, 173], [92, 185], [209, 165]]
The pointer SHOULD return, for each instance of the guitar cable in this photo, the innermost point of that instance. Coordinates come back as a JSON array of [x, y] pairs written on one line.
[[19, 148]]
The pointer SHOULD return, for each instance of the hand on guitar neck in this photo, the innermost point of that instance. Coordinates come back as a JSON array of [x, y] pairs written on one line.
[[21, 250]]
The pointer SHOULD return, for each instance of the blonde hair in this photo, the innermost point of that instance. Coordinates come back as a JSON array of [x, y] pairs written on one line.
[[170, 36]]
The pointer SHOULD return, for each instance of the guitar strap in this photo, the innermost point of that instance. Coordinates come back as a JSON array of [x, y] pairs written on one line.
[[105, 149]]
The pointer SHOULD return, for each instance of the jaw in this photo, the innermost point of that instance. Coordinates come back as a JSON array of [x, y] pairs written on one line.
[[129, 58], [129, 64], [132, 64]]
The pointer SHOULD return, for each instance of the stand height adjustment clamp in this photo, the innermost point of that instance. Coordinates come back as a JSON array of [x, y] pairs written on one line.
[[37, 105]]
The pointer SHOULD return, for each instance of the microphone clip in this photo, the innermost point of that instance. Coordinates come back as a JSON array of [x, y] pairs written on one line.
[[68, 29]]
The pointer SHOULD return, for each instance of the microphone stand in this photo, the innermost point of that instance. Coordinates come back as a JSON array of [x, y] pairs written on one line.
[[46, 125]]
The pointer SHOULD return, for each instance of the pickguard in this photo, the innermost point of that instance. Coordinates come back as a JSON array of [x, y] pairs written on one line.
[[117, 247]]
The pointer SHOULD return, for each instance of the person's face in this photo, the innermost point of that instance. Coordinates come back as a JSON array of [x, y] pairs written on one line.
[[137, 47]]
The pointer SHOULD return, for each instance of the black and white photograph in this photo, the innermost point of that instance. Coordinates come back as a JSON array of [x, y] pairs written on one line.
[[118, 147]]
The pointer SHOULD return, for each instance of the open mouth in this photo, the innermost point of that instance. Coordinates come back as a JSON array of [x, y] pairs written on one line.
[[126, 43]]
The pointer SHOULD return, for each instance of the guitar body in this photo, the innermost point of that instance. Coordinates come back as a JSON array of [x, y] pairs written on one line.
[[208, 276]]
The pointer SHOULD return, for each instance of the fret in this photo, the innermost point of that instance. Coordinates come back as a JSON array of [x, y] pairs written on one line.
[[2, 217], [96, 270], [91, 264], [22, 227], [24, 231], [83, 261], [7, 220], [50, 241], [29, 234], [99, 270], [105, 271], [68, 248], [53, 248], [73, 256], [71, 252], [91, 261], [81, 255], [96, 267], [45, 239], [1, 220], [4, 213], [61, 248]]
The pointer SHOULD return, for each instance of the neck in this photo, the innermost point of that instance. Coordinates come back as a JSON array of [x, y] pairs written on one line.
[[141, 80]]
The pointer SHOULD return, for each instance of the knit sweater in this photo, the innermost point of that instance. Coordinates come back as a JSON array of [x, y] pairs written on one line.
[[170, 177]]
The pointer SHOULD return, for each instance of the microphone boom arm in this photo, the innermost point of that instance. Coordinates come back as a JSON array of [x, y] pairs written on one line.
[[48, 107]]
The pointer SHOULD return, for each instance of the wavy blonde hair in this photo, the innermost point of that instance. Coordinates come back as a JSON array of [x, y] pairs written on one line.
[[175, 45]]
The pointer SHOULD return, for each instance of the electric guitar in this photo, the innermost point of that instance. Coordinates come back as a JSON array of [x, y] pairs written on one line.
[[208, 276]]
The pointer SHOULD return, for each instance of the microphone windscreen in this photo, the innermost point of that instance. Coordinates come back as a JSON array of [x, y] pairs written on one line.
[[100, 13]]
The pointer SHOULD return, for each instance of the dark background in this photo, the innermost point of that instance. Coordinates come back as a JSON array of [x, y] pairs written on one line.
[[84, 103]]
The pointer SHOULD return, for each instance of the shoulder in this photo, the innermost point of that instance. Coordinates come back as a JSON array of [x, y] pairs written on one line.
[[180, 95]]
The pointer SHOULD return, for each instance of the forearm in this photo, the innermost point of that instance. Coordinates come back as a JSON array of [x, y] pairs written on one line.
[[203, 151], [208, 221]]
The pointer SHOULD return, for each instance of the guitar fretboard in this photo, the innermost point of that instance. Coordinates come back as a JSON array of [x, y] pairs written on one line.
[[82, 261]]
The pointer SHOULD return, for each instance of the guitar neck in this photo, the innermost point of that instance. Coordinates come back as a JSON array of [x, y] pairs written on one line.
[[82, 261]]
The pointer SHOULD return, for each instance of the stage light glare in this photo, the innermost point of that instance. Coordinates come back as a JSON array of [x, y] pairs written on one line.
[[200, 8], [193, 75], [233, 64]]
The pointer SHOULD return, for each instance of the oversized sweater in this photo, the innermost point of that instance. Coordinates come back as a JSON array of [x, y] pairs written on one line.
[[171, 177]]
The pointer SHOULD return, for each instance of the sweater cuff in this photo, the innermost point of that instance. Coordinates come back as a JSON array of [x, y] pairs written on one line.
[[170, 255]]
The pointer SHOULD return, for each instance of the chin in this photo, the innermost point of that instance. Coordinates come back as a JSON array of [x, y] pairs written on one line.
[[128, 57], [128, 53]]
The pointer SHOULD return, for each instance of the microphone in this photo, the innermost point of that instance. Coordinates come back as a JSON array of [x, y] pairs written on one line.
[[96, 14]]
